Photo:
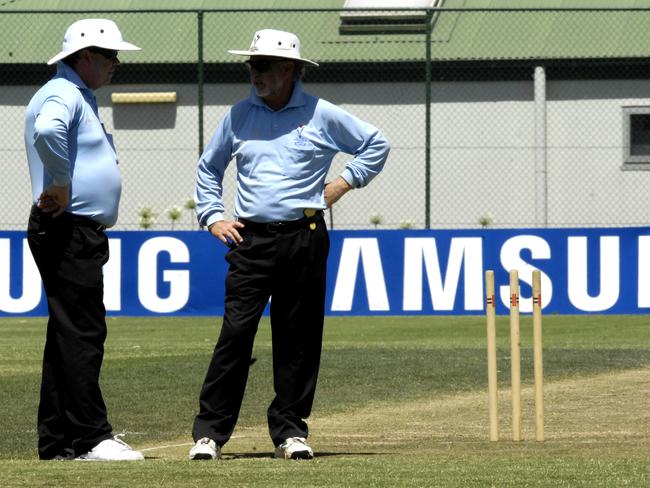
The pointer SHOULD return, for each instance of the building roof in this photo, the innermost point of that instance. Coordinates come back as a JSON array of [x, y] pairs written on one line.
[[545, 33], [464, 30], [89, 5]]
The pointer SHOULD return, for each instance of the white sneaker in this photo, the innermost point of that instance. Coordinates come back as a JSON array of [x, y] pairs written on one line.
[[294, 448], [114, 449], [205, 448]]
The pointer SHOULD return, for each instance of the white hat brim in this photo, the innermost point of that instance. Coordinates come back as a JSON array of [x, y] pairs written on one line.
[[273, 54], [115, 46]]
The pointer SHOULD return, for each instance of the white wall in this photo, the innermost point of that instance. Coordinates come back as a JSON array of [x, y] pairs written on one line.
[[482, 153]]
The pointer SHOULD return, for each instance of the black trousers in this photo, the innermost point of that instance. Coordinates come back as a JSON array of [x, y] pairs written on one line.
[[289, 266], [69, 252]]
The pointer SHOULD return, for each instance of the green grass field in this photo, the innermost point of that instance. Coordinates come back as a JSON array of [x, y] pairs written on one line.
[[401, 401]]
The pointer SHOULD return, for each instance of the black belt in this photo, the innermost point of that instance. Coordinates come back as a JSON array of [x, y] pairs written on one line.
[[283, 226], [77, 219]]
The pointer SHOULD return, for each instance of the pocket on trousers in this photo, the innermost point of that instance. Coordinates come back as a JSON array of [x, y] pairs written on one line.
[[89, 244], [234, 249], [86, 253]]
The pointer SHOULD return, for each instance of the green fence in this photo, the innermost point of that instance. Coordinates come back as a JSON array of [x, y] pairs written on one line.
[[501, 117]]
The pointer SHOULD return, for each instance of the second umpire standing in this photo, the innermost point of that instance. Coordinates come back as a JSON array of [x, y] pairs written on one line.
[[283, 141]]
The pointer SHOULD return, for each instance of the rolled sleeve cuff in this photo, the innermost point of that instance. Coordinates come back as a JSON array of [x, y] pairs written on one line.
[[349, 178], [215, 217]]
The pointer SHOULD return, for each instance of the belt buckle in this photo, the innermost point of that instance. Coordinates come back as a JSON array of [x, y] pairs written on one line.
[[273, 226]]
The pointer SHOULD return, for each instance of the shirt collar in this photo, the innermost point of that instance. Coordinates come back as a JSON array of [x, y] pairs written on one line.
[[297, 97], [66, 72]]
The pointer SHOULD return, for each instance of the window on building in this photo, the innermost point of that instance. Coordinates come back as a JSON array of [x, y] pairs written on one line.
[[636, 133], [380, 18]]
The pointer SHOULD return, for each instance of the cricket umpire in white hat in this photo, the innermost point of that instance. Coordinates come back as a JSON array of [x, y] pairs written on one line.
[[76, 190], [282, 141]]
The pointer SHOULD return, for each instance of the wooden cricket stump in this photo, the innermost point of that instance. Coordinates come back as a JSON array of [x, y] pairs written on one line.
[[515, 355]]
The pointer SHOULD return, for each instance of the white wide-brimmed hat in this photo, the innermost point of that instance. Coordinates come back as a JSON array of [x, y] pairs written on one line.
[[85, 33], [276, 43]]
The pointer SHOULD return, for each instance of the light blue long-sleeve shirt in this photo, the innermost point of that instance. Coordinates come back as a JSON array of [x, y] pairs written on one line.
[[66, 144], [283, 157]]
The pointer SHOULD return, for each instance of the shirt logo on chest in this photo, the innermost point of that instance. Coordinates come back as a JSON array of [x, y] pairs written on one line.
[[300, 140]]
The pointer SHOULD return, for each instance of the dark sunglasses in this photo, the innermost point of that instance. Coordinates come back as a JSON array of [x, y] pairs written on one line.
[[107, 53], [263, 65]]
